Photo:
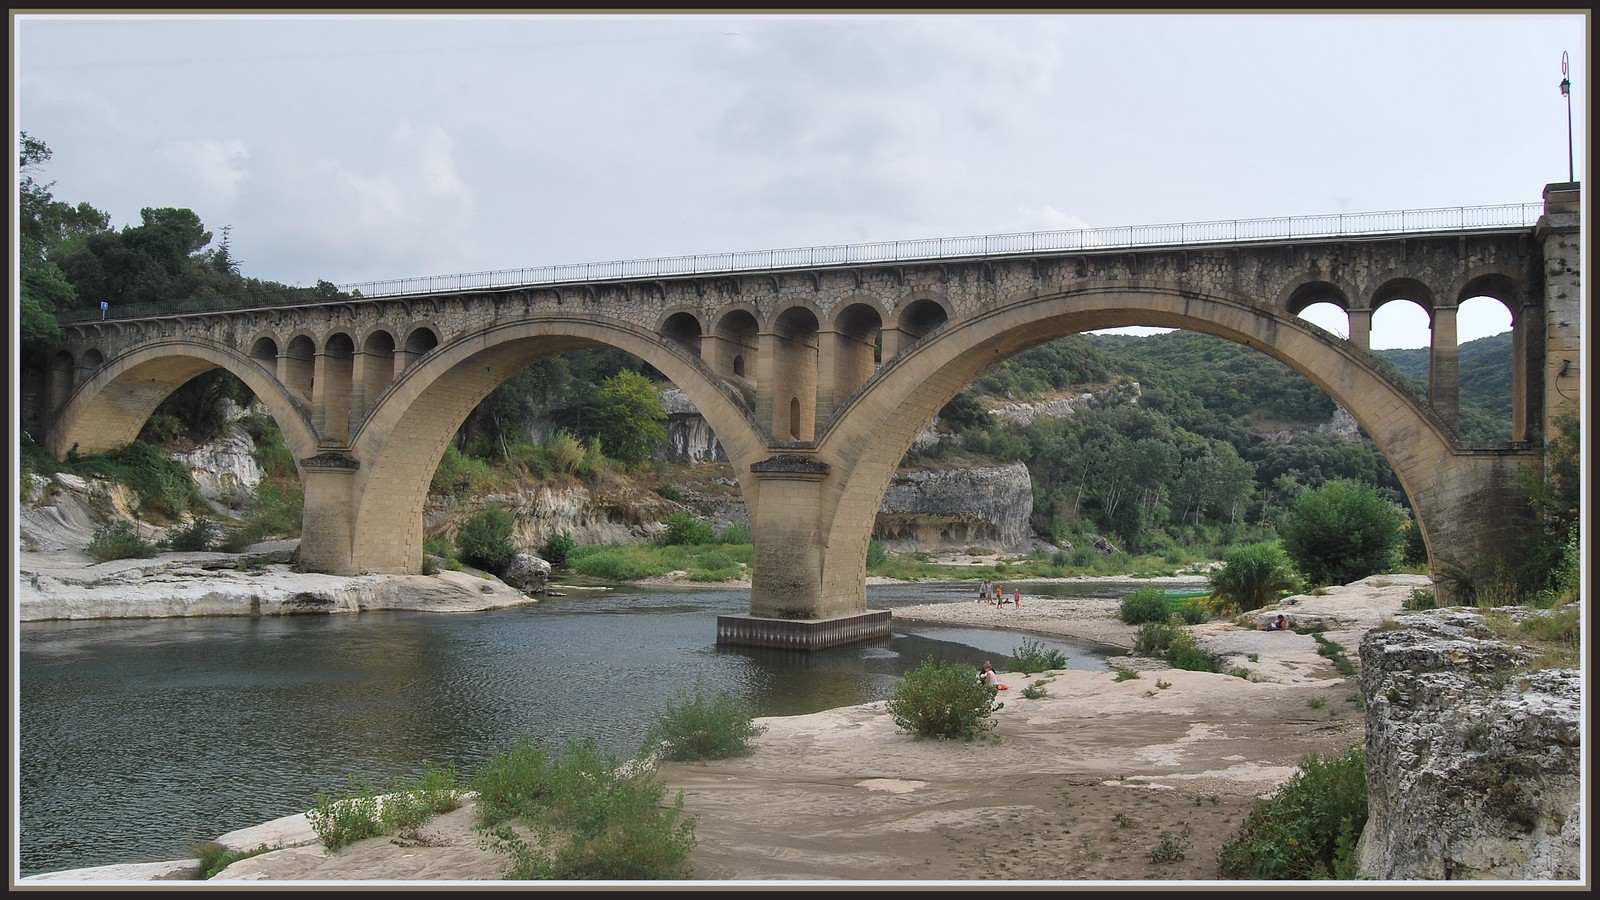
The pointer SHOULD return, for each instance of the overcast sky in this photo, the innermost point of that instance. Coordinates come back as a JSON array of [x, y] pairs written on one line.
[[352, 148]]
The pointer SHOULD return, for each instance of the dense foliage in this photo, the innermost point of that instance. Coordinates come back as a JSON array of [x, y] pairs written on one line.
[[1146, 603], [485, 539], [1308, 829], [1342, 532]]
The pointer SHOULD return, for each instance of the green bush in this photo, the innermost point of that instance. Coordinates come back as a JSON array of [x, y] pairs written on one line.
[[876, 555], [1153, 638], [199, 535], [1193, 611], [685, 529], [1308, 829], [557, 549], [1182, 653], [943, 699], [1342, 532], [1253, 575], [119, 540], [511, 784], [484, 540], [341, 821], [694, 728], [1146, 604], [735, 534], [1032, 657]]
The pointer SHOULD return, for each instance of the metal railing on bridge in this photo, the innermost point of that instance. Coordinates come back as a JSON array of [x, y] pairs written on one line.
[[1129, 237]]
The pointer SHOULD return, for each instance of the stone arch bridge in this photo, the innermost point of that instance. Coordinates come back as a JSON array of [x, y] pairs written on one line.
[[817, 371]]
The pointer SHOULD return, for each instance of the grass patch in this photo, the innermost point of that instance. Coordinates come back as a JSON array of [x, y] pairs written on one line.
[[213, 857]]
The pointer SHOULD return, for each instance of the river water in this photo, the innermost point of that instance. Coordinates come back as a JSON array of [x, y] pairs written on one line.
[[138, 739]]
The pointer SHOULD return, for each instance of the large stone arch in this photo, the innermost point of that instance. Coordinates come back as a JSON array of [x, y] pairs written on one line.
[[401, 441], [862, 447], [109, 408]]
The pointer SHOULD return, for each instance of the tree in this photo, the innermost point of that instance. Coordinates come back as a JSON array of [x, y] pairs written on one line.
[[1342, 532], [628, 417]]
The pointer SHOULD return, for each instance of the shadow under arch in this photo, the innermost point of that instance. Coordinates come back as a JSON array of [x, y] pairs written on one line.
[[110, 407], [914, 386], [401, 441]]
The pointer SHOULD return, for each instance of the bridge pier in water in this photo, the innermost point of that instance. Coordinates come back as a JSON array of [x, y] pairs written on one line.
[[789, 604]]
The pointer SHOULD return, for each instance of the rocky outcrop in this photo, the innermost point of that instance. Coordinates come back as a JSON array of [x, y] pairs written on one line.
[[1474, 757], [690, 441], [983, 506], [617, 514], [225, 470], [260, 583]]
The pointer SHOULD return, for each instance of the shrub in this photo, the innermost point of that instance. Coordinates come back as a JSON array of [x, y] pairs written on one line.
[[1183, 654], [557, 549], [1342, 532], [735, 534], [1253, 575], [341, 821], [1032, 656], [511, 784], [683, 528], [943, 699], [119, 540], [1154, 638], [876, 555], [1146, 604], [599, 820], [694, 728], [1308, 829], [1193, 610], [1034, 691], [199, 535], [1420, 599], [485, 539]]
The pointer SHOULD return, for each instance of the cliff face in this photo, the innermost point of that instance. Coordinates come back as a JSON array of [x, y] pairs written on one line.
[[946, 508], [1474, 759]]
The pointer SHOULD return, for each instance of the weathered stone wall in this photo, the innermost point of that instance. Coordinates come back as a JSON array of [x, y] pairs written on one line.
[[1474, 758]]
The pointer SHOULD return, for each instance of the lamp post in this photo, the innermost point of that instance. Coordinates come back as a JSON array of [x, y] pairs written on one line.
[[1566, 91]]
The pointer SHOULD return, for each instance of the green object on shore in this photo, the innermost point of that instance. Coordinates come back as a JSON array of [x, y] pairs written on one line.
[[1188, 595]]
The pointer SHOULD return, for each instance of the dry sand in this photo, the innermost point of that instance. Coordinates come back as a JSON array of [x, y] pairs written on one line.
[[1105, 778]]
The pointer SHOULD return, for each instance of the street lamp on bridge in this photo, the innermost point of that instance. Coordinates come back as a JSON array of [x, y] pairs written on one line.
[[1566, 91]]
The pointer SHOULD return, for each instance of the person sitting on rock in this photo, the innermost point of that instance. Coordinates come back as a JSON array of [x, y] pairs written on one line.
[[1278, 624]]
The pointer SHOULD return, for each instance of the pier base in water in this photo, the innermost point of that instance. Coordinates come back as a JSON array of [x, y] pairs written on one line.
[[802, 634]]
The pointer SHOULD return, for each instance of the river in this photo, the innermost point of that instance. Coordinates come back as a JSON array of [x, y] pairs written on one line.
[[138, 739]]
